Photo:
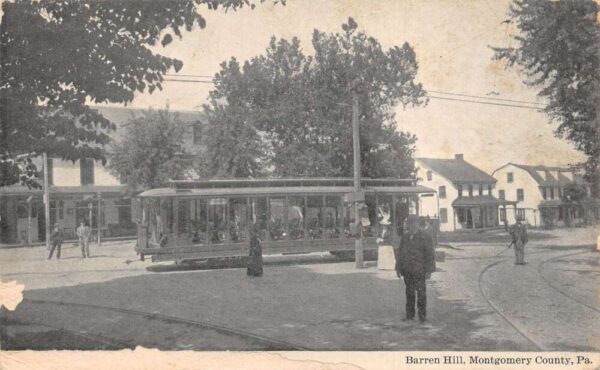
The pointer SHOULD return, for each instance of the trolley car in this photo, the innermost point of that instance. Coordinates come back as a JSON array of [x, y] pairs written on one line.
[[197, 220]]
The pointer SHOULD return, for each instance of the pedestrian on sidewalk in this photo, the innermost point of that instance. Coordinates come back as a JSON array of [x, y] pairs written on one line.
[[415, 261], [518, 232], [56, 239], [255, 260], [84, 232]]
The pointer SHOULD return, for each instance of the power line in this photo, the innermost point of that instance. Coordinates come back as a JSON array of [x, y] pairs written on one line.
[[432, 91], [484, 97], [180, 75], [485, 102], [193, 81], [431, 96]]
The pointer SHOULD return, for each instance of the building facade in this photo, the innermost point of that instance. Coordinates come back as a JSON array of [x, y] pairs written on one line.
[[84, 190], [539, 195], [464, 194]]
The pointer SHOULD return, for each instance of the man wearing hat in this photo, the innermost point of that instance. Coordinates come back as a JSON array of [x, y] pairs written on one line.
[[83, 233], [56, 240], [518, 232], [415, 261]]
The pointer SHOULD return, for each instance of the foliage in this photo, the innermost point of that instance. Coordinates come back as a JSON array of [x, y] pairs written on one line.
[[574, 193], [559, 51], [294, 111], [151, 150], [57, 56]]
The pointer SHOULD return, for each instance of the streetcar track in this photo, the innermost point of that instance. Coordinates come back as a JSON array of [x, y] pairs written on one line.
[[497, 310], [539, 270], [489, 266], [112, 342], [274, 344]]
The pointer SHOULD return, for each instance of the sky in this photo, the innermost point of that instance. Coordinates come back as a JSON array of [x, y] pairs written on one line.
[[452, 42]]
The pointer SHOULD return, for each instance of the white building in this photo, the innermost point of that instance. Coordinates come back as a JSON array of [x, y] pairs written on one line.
[[82, 190], [538, 193], [464, 193]]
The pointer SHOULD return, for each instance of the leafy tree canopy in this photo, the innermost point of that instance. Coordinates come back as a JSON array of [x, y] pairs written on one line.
[[57, 56], [151, 152], [559, 51], [289, 114], [574, 193]]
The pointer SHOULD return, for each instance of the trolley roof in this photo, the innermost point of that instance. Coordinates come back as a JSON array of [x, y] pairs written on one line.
[[213, 188], [287, 182]]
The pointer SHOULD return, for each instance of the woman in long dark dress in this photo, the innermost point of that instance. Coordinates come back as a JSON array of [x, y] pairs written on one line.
[[255, 260]]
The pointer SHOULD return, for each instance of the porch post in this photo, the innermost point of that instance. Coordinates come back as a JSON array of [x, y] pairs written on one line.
[[484, 214], [99, 218], [454, 219], [29, 200]]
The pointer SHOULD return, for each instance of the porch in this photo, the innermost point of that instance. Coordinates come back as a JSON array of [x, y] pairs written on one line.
[[477, 213]]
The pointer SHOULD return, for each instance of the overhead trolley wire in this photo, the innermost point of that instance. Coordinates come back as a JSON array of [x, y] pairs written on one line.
[[487, 100]]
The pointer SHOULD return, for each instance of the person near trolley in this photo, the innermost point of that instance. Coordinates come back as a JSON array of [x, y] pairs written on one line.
[[56, 240], [255, 258], [84, 232], [518, 232], [415, 261]]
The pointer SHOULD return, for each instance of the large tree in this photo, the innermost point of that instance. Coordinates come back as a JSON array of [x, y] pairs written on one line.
[[296, 109], [151, 152], [58, 56], [558, 48]]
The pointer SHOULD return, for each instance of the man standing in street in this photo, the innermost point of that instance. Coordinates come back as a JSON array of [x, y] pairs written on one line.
[[415, 261], [518, 233], [84, 233], [56, 239]]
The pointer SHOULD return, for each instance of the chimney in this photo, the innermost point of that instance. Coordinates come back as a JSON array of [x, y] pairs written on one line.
[[459, 157]]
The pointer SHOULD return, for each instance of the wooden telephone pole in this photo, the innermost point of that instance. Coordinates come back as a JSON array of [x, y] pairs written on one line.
[[47, 199], [358, 243]]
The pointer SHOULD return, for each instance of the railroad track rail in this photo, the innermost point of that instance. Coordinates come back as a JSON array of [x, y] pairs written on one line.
[[109, 343], [537, 345], [560, 291], [521, 331], [268, 343]]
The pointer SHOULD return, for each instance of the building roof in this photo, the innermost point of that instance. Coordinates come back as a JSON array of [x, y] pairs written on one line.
[[549, 177], [481, 200], [550, 203], [457, 170], [18, 189]]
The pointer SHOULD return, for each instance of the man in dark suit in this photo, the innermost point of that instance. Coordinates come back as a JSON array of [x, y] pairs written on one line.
[[56, 240], [518, 232], [415, 261]]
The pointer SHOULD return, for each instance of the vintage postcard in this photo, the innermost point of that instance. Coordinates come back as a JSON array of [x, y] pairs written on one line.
[[300, 184]]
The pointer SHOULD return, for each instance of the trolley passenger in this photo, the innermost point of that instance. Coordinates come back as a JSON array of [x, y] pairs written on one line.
[[415, 261], [255, 259]]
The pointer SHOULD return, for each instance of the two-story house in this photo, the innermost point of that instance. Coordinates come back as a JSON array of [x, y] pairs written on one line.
[[464, 194], [538, 191], [81, 190]]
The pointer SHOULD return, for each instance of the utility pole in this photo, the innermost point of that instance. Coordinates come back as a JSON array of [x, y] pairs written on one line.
[[46, 199], [358, 243]]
